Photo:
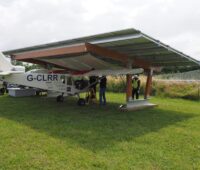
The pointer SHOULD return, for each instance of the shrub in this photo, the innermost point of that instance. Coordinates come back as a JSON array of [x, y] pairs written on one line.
[[118, 84], [177, 89], [163, 88]]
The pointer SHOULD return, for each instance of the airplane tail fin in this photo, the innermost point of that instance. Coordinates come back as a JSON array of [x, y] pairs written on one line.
[[7, 68]]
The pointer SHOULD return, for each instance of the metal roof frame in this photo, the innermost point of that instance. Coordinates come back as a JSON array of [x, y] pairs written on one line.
[[128, 45]]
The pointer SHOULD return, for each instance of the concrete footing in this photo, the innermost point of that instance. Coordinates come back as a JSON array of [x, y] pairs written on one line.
[[137, 105]]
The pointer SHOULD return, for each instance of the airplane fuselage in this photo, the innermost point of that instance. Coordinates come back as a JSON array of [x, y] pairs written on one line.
[[52, 82]]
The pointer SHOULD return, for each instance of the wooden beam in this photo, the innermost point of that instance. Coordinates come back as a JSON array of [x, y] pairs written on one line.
[[141, 63], [35, 62], [102, 51], [148, 83], [51, 52], [45, 64], [79, 49]]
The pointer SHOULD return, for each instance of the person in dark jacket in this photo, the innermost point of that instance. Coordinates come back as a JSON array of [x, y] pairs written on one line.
[[136, 87], [93, 82], [102, 93]]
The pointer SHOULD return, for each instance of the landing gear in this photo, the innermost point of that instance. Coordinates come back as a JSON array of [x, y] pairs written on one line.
[[81, 102], [60, 99], [37, 93], [2, 91]]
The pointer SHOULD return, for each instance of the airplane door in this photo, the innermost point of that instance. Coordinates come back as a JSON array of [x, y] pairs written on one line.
[[69, 84], [60, 85]]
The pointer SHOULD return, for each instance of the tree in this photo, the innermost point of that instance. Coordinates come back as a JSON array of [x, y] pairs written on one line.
[[27, 66]]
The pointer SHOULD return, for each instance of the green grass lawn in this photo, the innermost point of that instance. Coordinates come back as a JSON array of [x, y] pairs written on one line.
[[38, 133]]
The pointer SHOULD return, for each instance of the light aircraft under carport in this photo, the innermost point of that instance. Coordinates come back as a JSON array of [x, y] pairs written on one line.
[[54, 81], [120, 52]]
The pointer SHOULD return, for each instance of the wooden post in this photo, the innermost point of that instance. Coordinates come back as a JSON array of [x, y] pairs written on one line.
[[148, 84], [129, 82], [128, 87]]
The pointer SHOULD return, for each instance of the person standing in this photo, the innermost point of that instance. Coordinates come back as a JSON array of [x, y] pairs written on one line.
[[136, 87], [102, 93], [93, 82]]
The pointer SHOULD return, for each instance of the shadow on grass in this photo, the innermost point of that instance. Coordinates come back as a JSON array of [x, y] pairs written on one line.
[[90, 127]]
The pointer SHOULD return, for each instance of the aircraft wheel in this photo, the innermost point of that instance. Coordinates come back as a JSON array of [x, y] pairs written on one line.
[[60, 99], [81, 102], [2, 91], [37, 93]]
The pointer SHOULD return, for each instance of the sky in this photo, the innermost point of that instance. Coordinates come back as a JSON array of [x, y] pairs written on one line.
[[31, 22]]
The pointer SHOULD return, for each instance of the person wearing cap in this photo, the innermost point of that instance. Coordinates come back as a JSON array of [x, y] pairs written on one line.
[[102, 92], [136, 87]]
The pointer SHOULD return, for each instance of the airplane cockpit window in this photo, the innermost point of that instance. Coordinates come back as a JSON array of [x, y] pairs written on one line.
[[80, 84], [62, 78]]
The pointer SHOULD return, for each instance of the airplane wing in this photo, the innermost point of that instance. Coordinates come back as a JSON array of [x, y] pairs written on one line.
[[6, 73], [112, 72]]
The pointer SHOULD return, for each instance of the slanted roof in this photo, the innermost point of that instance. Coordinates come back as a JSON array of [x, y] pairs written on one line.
[[109, 50]]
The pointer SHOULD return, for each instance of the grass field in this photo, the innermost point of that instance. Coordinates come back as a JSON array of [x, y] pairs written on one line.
[[38, 133]]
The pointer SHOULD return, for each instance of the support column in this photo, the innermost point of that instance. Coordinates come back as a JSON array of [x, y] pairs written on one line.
[[129, 82], [128, 87], [148, 83]]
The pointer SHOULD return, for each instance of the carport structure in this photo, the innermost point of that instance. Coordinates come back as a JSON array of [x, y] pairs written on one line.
[[128, 48]]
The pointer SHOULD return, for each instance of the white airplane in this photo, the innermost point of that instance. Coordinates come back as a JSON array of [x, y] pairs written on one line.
[[60, 84]]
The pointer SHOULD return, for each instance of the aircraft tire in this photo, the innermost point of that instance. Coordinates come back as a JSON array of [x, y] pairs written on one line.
[[60, 99], [81, 102], [2, 91], [37, 93]]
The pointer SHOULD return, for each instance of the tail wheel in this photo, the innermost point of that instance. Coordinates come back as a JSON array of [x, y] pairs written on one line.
[[60, 99]]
